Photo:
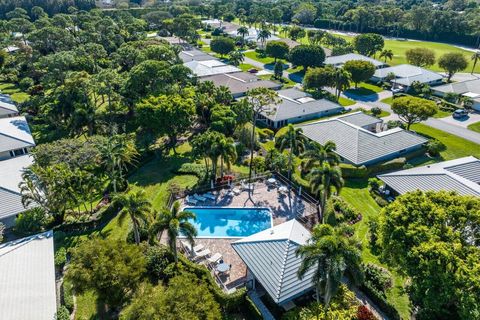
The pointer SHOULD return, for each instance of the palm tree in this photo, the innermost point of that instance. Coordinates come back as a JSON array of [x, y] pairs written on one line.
[[227, 153], [285, 30], [295, 142], [137, 207], [263, 35], [475, 58], [175, 222], [386, 54], [317, 154], [342, 81], [331, 254], [236, 57], [243, 31], [322, 180]]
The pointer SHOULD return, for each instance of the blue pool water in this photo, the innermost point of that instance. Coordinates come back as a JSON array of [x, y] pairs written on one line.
[[230, 222]]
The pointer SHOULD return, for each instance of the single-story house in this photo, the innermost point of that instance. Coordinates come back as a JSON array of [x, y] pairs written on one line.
[[359, 146], [27, 275], [209, 67], [7, 109], [271, 260], [364, 121], [460, 175], [339, 61], [469, 88], [192, 54], [406, 74], [297, 106], [11, 171], [240, 82], [15, 137]]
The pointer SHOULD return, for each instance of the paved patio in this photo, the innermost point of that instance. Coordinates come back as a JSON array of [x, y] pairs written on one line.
[[263, 195]]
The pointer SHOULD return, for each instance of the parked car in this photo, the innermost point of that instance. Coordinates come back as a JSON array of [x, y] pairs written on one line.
[[253, 70], [460, 113]]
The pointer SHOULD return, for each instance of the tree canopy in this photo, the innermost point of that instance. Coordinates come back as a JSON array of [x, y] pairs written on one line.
[[359, 70], [307, 56], [413, 110]]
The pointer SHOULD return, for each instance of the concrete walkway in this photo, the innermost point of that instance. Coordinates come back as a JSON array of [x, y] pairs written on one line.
[[266, 315]]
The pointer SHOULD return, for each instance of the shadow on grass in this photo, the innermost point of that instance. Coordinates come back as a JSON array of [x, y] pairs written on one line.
[[362, 94], [358, 183], [271, 66], [297, 76]]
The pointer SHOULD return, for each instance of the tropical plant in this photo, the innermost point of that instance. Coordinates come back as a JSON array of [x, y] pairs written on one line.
[[322, 180], [243, 32], [236, 57], [412, 110], [386, 54], [175, 222], [341, 79], [225, 150], [331, 253], [316, 154], [475, 58], [136, 206], [263, 35]]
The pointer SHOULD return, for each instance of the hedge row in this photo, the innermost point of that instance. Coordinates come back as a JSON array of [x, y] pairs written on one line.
[[379, 300], [351, 171]]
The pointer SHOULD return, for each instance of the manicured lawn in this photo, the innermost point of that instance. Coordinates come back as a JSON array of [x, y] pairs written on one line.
[[442, 114], [17, 95], [388, 100], [456, 147], [255, 56], [356, 193], [345, 102], [365, 89], [384, 114], [246, 66], [474, 127]]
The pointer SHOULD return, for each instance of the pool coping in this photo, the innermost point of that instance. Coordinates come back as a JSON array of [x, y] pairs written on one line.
[[183, 208]]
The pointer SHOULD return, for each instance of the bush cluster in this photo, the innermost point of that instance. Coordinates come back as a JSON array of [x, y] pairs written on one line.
[[378, 277], [195, 169]]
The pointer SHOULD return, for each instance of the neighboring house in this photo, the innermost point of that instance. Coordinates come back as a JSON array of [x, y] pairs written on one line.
[[271, 260], [209, 67], [11, 49], [460, 175], [240, 82], [11, 171], [27, 277], [192, 54], [15, 137], [406, 74], [297, 106], [469, 88], [357, 145], [339, 61], [7, 108]]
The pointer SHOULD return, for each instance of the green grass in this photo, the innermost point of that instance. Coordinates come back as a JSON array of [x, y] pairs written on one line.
[[356, 194], [442, 114], [456, 147], [388, 100], [384, 114], [474, 127], [16, 94], [365, 89], [245, 67], [346, 102], [255, 56]]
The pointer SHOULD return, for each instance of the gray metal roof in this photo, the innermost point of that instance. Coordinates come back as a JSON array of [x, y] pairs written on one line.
[[358, 145], [195, 55], [240, 82], [271, 256], [406, 74], [460, 87], [295, 103], [11, 203], [27, 277], [361, 119], [460, 175], [209, 67], [342, 59], [15, 134]]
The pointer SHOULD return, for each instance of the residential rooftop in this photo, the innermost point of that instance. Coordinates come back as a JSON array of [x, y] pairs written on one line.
[[27, 275], [406, 74], [339, 61], [15, 134], [210, 67], [460, 175], [7, 109], [195, 55], [361, 119], [240, 82], [468, 87], [358, 145]]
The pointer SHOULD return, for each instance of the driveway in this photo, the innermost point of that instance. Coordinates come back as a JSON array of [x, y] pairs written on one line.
[[464, 122]]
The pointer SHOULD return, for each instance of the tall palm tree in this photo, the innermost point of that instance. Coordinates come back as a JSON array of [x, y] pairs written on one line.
[[295, 142], [386, 54], [243, 32], [285, 30], [316, 154], [323, 180], [175, 222], [263, 35], [236, 57], [475, 58], [342, 81], [331, 254], [137, 207], [226, 150]]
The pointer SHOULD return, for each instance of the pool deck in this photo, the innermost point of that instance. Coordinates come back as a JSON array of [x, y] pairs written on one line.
[[263, 196]]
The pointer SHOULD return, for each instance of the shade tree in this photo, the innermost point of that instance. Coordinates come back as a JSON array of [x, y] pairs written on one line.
[[277, 50], [368, 44], [452, 63], [359, 70], [222, 45], [412, 110], [422, 57], [307, 56]]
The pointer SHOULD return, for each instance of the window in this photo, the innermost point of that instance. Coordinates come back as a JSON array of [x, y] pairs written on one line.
[[18, 152]]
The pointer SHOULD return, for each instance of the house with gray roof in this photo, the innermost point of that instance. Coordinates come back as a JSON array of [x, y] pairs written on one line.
[[339, 61], [271, 260], [209, 67], [469, 88], [459, 175], [359, 146], [11, 171], [193, 54], [406, 74], [8, 109], [297, 106], [15, 137], [240, 82], [27, 275]]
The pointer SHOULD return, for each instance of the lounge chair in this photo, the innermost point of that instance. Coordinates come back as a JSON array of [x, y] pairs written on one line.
[[191, 201], [199, 198], [201, 254], [215, 258], [210, 196]]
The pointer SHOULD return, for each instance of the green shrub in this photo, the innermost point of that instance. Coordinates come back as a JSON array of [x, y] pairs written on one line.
[[68, 301], [394, 164], [143, 235], [62, 314], [158, 259], [378, 298], [351, 171], [195, 169], [344, 212], [434, 147], [31, 221], [374, 184], [372, 224], [60, 257], [380, 201], [378, 277], [25, 83]]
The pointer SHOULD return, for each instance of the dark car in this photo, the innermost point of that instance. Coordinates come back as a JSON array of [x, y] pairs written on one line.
[[253, 70], [460, 113]]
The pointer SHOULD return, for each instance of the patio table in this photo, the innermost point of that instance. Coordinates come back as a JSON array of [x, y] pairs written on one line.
[[272, 181], [223, 267], [283, 189]]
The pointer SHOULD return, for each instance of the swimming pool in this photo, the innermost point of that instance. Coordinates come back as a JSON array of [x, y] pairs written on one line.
[[215, 222]]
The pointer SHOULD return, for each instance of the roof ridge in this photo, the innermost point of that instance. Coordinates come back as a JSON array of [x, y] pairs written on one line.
[[18, 139], [282, 270]]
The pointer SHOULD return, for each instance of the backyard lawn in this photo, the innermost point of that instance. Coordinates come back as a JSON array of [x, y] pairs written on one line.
[[346, 102], [474, 127], [364, 89], [255, 56], [246, 67]]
